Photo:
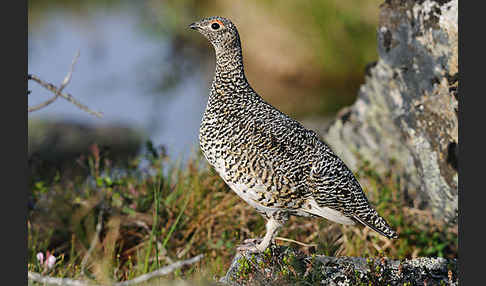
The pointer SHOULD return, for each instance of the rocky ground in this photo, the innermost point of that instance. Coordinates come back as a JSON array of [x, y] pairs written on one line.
[[287, 266]]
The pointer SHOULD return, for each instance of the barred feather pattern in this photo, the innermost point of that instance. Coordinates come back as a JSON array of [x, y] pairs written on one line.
[[269, 159]]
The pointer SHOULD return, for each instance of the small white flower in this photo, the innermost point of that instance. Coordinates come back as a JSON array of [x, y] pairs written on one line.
[[50, 261], [40, 257]]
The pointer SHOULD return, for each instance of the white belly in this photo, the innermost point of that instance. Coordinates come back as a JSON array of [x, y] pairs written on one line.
[[250, 195], [254, 194]]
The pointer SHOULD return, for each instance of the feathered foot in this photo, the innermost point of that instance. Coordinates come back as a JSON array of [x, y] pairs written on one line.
[[257, 245]]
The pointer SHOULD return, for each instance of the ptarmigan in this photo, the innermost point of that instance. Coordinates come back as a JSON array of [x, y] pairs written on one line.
[[270, 160]]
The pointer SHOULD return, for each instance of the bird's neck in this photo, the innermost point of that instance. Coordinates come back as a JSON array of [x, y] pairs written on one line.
[[229, 59], [230, 87], [229, 66], [229, 84]]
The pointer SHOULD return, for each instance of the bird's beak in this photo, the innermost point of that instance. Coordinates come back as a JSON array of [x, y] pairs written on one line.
[[194, 26]]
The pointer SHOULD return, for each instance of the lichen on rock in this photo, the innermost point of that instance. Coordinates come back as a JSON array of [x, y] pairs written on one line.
[[287, 266], [406, 111]]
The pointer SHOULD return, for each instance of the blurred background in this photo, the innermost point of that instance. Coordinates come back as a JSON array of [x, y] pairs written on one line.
[[149, 74]]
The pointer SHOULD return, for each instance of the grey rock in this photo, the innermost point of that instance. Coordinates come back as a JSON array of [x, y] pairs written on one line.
[[286, 266], [406, 112]]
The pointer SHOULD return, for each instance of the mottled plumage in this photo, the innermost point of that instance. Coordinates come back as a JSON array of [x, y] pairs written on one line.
[[270, 160]]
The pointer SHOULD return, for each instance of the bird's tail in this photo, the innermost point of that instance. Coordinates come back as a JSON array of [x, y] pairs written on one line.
[[374, 221]]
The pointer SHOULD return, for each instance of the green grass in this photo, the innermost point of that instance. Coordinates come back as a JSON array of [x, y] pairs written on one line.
[[175, 212]]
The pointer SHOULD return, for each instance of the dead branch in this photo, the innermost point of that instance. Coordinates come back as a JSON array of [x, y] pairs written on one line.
[[67, 78], [142, 278], [160, 272], [64, 83], [58, 91], [56, 281]]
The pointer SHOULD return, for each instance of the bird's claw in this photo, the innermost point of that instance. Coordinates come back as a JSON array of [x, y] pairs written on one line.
[[252, 241], [248, 248], [250, 245]]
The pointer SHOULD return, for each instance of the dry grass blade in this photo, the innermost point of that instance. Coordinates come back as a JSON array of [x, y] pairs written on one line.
[[295, 241], [94, 242]]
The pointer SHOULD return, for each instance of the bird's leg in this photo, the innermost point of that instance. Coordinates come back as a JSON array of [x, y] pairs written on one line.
[[255, 241], [272, 227]]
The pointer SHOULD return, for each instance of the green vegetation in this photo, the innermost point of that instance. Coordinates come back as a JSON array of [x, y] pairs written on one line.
[[174, 212]]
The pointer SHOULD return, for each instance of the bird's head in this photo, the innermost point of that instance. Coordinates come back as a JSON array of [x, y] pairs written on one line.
[[219, 31]]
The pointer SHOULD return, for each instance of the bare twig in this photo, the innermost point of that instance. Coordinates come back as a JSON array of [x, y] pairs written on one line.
[[160, 272], [43, 104], [142, 278], [56, 281], [67, 78], [58, 91], [64, 83], [94, 241]]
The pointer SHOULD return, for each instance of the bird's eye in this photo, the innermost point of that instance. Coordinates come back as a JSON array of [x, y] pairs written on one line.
[[215, 26]]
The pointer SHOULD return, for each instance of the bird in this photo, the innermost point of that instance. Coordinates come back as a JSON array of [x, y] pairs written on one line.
[[267, 158]]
